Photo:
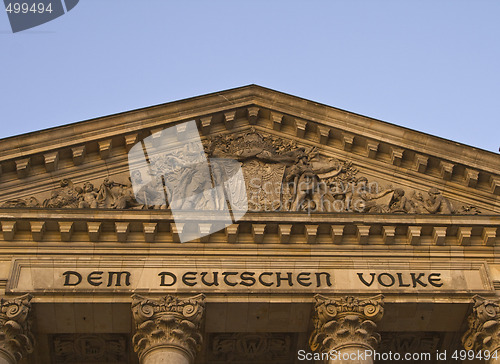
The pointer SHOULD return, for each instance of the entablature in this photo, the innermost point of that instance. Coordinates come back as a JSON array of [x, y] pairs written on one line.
[[287, 229]]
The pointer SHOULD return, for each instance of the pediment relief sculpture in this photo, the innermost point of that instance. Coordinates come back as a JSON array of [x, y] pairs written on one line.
[[278, 176]]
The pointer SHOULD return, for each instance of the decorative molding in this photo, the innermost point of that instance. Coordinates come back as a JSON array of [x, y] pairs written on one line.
[[229, 117], [78, 154], [484, 326], [277, 119], [246, 347], [323, 134], [253, 114], [396, 156], [16, 339], [409, 342], [168, 321], [90, 348], [23, 167], [372, 149], [421, 163], [51, 161], [345, 321]]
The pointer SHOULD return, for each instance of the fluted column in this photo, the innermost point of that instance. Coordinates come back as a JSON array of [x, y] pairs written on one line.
[[345, 328], [484, 328], [168, 329], [16, 340]]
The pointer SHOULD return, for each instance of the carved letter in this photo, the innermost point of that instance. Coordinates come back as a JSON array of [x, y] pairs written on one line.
[[327, 279], [279, 279], [95, 276], [416, 280], [189, 276], [267, 284], [360, 275], [118, 278], [434, 281], [215, 281], [226, 281], [387, 275], [306, 278], [247, 276], [67, 275], [163, 274], [400, 279]]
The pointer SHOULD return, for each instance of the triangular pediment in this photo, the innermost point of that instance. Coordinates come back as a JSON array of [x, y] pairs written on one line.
[[279, 139]]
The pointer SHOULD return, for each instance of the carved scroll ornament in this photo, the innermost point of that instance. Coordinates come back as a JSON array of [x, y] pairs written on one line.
[[16, 339]]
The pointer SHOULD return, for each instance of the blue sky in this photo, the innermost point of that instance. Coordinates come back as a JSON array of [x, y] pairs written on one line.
[[432, 66]]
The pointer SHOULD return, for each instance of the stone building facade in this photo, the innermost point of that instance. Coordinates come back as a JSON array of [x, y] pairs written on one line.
[[346, 234]]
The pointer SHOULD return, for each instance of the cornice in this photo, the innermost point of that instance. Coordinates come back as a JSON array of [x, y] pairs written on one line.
[[328, 230]]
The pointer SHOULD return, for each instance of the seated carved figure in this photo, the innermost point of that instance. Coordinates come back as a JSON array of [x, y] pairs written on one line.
[[88, 196], [437, 203], [400, 203]]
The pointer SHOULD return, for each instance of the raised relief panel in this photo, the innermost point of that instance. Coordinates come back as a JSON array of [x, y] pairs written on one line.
[[90, 348], [244, 348]]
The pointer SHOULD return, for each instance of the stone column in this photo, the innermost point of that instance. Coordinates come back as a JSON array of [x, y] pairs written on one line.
[[347, 326], [484, 328], [168, 329], [16, 340]]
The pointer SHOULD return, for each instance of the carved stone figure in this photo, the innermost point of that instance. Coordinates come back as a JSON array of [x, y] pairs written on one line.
[[65, 196], [276, 175], [88, 197], [399, 202]]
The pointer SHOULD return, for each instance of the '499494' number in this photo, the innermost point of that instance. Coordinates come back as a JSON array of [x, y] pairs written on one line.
[[24, 8], [471, 355]]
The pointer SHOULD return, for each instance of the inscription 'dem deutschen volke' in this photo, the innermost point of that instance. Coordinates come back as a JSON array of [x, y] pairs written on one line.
[[264, 279]]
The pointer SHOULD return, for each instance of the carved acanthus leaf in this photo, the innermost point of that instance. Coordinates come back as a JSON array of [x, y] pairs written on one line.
[[345, 320], [168, 321]]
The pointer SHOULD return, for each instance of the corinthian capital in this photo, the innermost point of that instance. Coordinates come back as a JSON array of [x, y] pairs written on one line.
[[345, 321], [168, 322], [484, 326], [16, 339]]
